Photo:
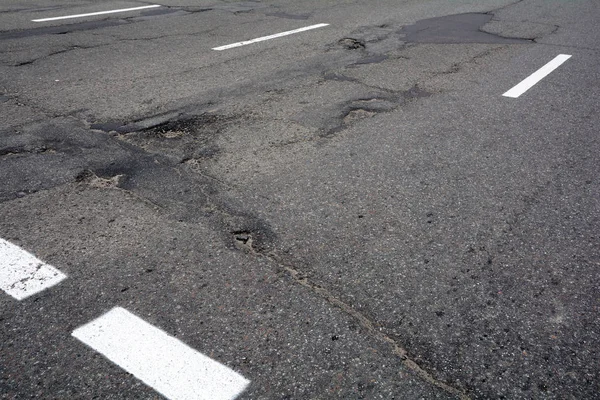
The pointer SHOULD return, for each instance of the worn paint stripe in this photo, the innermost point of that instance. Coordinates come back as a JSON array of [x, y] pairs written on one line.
[[262, 39], [164, 363], [537, 76], [22, 274], [95, 13]]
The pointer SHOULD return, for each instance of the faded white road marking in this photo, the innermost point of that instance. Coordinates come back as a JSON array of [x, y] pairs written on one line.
[[164, 363], [537, 76], [262, 39], [95, 13], [22, 274]]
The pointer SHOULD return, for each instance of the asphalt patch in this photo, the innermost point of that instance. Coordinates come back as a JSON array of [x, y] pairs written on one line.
[[62, 30], [459, 28], [156, 12]]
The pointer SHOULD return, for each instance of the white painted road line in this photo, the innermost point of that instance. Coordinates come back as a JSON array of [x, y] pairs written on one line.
[[169, 366], [22, 274], [95, 13], [262, 39], [537, 76]]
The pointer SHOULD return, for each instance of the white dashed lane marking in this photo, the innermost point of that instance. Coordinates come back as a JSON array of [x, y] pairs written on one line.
[[95, 13], [164, 363], [262, 39], [22, 274], [537, 76]]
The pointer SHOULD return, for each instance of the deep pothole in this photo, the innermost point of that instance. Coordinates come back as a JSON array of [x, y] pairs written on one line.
[[352, 44], [243, 240], [184, 138]]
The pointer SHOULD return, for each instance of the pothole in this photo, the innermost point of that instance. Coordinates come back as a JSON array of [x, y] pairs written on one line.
[[357, 114], [173, 134], [91, 179], [183, 138], [351, 43], [359, 109], [175, 129], [243, 240]]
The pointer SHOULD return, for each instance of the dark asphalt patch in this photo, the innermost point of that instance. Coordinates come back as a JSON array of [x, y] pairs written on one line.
[[90, 25], [62, 30], [156, 12], [459, 28], [239, 7], [107, 127]]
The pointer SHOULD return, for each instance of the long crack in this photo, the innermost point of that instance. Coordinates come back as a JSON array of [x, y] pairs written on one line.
[[368, 325]]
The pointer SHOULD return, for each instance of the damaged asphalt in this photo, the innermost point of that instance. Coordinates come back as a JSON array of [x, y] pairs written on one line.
[[353, 213]]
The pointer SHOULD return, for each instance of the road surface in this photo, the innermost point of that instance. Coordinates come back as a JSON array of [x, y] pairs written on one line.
[[299, 200]]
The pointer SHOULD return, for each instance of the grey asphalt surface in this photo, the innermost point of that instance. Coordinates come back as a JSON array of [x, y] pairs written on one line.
[[353, 212]]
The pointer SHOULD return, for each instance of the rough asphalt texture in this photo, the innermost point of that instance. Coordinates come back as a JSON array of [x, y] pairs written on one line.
[[354, 212]]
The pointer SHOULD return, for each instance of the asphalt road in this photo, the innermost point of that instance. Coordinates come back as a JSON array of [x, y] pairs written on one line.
[[359, 210]]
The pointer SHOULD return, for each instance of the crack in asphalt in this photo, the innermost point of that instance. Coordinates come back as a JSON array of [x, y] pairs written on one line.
[[459, 66], [12, 151], [90, 178], [334, 76], [245, 242], [116, 41], [504, 7], [62, 29], [110, 22], [29, 62]]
